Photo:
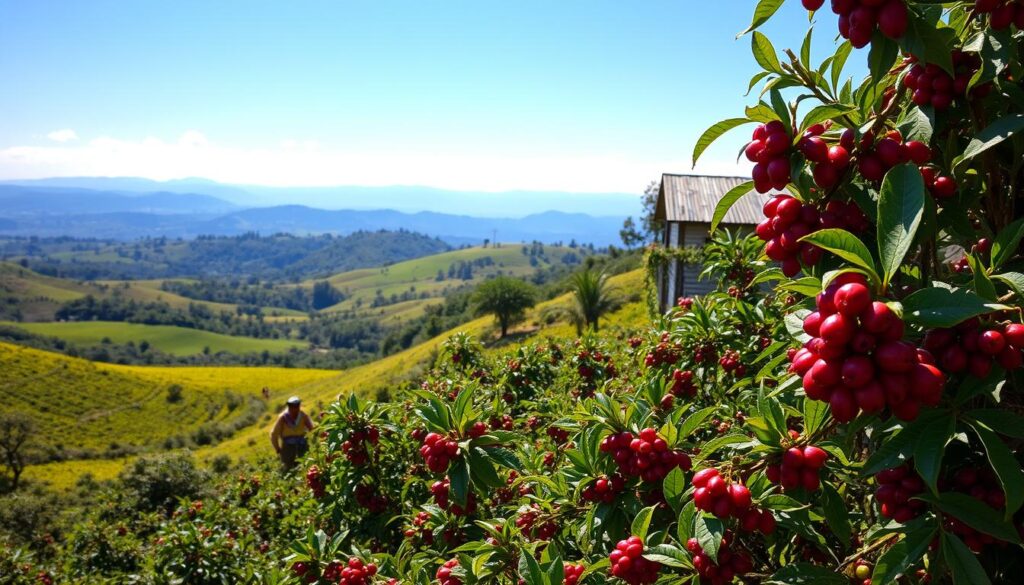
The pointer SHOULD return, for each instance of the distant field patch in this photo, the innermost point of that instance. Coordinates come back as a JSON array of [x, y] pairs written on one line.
[[181, 341]]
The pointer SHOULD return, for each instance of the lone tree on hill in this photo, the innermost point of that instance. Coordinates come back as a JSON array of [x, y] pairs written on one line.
[[592, 297], [506, 298], [16, 430]]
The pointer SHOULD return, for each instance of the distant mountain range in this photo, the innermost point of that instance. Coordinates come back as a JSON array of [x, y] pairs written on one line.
[[66, 207], [409, 199]]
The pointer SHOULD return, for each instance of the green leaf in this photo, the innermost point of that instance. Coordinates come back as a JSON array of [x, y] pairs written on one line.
[[900, 443], [673, 487], [764, 53], [642, 522], [882, 55], [1005, 465], [982, 283], [668, 555], [727, 201], [684, 524], [1001, 421], [781, 503], [993, 135], [709, 531], [963, 563], [845, 245], [1006, 243], [1014, 280], [556, 571], [695, 420], [975, 514], [837, 517], [930, 447], [529, 569], [806, 574], [903, 555], [482, 470], [917, 125], [458, 474], [842, 54], [714, 133], [941, 307], [815, 413], [764, 10], [928, 38], [900, 209], [717, 443], [822, 113], [781, 109]]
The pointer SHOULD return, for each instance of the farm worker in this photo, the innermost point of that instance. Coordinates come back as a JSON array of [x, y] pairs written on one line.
[[289, 433]]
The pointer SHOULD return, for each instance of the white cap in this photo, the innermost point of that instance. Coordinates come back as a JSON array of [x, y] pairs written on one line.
[[294, 401]]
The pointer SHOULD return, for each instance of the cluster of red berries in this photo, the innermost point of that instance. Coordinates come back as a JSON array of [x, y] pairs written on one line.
[[419, 528], [559, 436], [982, 485], [590, 365], [629, 564], [730, 362], [1002, 13], [526, 521], [504, 422], [800, 468], [730, 563], [769, 149], [682, 384], [370, 498], [604, 489], [716, 495], [440, 489], [665, 353], [354, 573], [971, 348], [788, 220], [933, 86], [572, 573], [761, 520], [858, 19], [829, 161], [314, 480], [896, 488], [685, 303], [437, 451], [856, 359], [646, 456], [444, 573], [354, 447]]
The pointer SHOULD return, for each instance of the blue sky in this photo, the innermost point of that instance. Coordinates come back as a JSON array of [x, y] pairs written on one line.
[[579, 95]]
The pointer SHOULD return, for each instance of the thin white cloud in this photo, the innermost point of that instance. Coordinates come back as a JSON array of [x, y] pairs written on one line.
[[63, 135], [296, 162]]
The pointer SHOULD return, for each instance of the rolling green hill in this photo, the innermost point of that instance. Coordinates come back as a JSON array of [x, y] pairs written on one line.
[[419, 278], [166, 338], [85, 407]]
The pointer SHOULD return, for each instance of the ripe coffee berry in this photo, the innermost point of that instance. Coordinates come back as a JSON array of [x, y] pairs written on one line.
[[573, 573], [788, 220], [437, 451], [800, 468], [716, 495], [439, 489], [356, 573], [970, 347], [314, 480], [769, 148], [604, 489], [983, 485], [646, 456], [628, 563], [444, 573], [731, 563], [526, 521], [858, 19], [856, 359], [896, 487]]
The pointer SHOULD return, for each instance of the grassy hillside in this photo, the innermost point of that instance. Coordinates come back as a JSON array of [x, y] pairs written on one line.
[[419, 277], [366, 380], [100, 408], [179, 341]]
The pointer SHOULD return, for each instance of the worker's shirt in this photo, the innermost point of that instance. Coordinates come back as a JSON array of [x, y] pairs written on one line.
[[292, 430]]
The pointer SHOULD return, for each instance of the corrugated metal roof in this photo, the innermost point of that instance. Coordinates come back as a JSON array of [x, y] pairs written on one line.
[[692, 199]]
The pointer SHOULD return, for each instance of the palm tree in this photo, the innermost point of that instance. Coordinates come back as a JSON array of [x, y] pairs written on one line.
[[592, 298]]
